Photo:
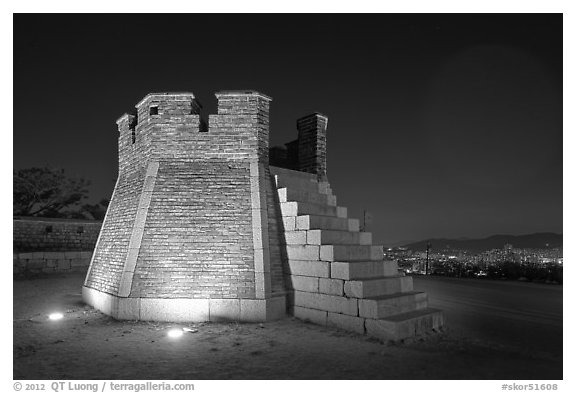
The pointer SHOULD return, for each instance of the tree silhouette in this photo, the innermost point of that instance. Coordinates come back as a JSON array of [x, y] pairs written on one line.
[[46, 192]]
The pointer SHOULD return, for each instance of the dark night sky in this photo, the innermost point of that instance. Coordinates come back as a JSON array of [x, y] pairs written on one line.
[[439, 125]]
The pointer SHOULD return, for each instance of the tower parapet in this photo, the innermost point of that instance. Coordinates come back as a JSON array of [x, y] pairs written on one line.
[[205, 224]]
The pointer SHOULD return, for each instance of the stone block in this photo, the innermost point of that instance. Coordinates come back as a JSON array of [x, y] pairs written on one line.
[[174, 310], [346, 322], [79, 262], [307, 314], [303, 283], [99, 300], [388, 305], [363, 269], [63, 264], [303, 253], [275, 308], [318, 301], [289, 209], [365, 238], [295, 238], [353, 224], [378, 286], [289, 223], [309, 268], [223, 310], [405, 325], [38, 264], [331, 200], [331, 286], [262, 310], [313, 237], [128, 309], [350, 253]]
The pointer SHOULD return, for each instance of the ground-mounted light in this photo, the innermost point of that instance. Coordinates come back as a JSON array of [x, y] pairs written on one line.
[[175, 333], [55, 316]]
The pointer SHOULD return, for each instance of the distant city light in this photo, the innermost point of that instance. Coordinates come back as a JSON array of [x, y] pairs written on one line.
[[55, 316], [175, 333]]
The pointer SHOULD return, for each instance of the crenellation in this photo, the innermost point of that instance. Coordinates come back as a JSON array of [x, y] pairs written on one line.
[[204, 224]]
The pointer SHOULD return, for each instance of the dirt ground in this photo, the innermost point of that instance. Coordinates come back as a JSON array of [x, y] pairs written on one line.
[[89, 345]]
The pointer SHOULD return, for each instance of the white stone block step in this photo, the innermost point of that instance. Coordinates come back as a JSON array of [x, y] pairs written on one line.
[[363, 269], [291, 209], [326, 236], [377, 286], [330, 303], [388, 305], [296, 195], [351, 253], [405, 325], [303, 253], [290, 173], [300, 184], [311, 221], [308, 268]]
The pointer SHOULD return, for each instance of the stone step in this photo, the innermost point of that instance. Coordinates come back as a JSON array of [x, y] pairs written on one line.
[[351, 253], [321, 187], [405, 325], [363, 269], [299, 184], [330, 303], [388, 305], [291, 209], [303, 253], [311, 221], [326, 236], [377, 286], [290, 173], [296, 195]]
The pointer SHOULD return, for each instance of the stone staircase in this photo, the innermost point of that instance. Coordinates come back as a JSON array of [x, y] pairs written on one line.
[[335, 274]]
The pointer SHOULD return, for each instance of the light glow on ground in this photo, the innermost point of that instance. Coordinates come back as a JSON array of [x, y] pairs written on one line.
[[55, 316], [175, 333]]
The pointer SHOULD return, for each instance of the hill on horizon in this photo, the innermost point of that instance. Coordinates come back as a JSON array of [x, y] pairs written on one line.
[[533, 240]]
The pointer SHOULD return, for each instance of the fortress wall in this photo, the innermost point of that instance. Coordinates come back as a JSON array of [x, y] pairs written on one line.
[[194, 228], [197, 240], [53, 235], [112, 248]]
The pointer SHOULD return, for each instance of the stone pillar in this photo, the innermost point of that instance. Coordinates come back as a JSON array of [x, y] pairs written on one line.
[[312, 144]]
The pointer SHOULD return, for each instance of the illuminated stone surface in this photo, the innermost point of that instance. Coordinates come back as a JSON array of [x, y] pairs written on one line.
[[207, 223]]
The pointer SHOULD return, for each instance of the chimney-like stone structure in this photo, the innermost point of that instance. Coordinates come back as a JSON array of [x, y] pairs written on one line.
[[207, 223], [312, 144]]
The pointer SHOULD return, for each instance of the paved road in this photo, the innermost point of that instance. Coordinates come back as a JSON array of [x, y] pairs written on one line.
[[524, 315]]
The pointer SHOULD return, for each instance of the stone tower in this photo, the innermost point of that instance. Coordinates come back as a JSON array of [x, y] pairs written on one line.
[[208, 223]]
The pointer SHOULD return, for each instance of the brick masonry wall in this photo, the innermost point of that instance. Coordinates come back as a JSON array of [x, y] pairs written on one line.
[[197, 239], [39, 234], [312, 144], [112, 249]]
